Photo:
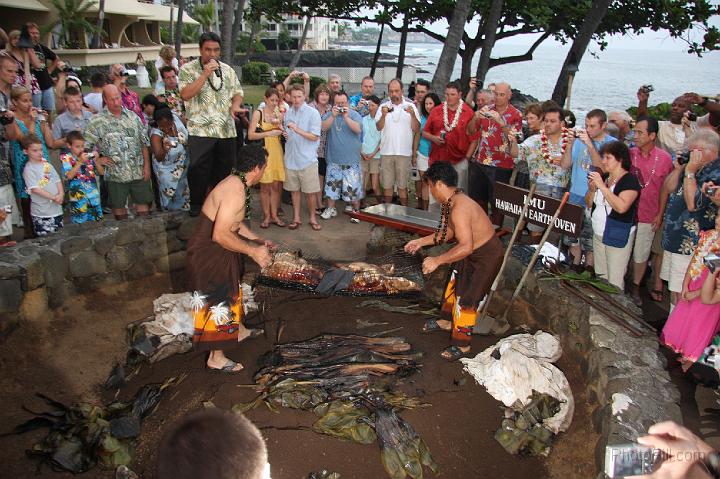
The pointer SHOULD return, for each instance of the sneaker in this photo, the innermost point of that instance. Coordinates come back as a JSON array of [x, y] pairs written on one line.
[[348, 208], [330, 212]]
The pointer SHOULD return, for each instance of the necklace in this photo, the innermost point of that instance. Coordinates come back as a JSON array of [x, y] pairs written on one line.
[[222, 80], [446, 123], [545, 144], [442, 228], [241, 175], [46, 174], [652, 172]]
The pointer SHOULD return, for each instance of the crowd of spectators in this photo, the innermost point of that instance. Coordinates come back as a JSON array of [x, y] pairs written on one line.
[[647, 187]]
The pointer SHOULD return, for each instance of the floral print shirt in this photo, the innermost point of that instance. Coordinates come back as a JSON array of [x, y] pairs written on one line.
[[681, 228], [208, 113], [541, 171], [493, 142], [120, 139]]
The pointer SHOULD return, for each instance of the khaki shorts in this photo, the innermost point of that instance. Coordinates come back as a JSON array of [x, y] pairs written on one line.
[[657, 242], [673, 269], [643, 243], [394, 170], [370, 166], [305, 180], [139, 191]]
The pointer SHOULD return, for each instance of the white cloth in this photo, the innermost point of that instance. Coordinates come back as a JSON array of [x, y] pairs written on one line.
[[525, 365], [397, 134], [95, 101]]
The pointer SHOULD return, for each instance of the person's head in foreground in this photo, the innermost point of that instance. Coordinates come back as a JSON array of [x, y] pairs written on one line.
[[442, 179], [213, 444]]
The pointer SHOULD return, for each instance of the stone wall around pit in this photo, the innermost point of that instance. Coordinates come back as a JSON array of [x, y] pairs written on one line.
[[41, 274], [626, 378]]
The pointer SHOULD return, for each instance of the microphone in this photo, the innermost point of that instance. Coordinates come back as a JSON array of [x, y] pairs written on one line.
[[218, 72]]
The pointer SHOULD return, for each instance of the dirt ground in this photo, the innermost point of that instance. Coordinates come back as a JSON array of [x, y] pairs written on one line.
[[71, 354]]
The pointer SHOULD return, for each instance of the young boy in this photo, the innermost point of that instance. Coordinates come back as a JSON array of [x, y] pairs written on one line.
[[370, 151], [74, 118], [94, 99], [44, 187], [80, 171]]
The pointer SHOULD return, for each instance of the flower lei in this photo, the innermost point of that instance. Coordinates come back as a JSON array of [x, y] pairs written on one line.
[[89, 174], [46, 174], [446, 122], [545, 148], [241, 175], [442, 228]]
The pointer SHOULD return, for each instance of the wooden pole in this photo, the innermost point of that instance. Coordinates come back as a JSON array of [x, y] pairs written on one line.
[[480, 327], [534, 257]]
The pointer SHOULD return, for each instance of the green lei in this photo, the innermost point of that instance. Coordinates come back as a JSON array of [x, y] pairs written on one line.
[[241, 175]]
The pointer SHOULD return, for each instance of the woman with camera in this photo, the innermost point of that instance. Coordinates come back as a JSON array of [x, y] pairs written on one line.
[[613, 201], [170, 160], [266, 127], [28, 120], [695, 319]]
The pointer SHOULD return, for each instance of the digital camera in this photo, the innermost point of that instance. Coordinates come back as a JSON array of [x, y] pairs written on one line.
[[712, 261], [647, 88], [4, 119], [342, 109], [683, 158]]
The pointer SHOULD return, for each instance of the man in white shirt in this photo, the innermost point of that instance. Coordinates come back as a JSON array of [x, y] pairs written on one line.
[[398, 121]]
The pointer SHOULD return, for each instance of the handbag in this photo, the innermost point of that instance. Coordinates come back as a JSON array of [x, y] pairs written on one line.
[[258, 129], [616, 233]]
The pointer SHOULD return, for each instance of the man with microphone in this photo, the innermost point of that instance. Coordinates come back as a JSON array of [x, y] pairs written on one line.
[[213, 95]]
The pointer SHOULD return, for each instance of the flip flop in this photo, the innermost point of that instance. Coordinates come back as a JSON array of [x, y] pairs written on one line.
[[316, 226], [294, 225], [264, 225], [7, 244], [280, 223], [432, 326], [229, 368], [453, 353], [657, 293]]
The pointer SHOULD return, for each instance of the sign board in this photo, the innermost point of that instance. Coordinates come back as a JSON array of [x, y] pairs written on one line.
[[510, 200]]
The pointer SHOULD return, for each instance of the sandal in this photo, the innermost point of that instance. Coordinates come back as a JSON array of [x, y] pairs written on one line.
[[658, 295], [8, 244], [316, 226], [229, 368], [432, 326], [294, 225], [279, 223], [265, 225], [453, 353]]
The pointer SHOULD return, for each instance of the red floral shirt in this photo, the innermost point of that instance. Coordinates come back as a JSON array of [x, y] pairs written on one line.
[[493, 145]]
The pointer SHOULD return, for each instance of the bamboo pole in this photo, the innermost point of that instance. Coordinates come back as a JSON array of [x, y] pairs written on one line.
[[534, 258], [480, 327]]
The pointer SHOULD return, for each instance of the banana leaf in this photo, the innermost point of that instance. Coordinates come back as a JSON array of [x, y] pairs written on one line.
[[344, 420]]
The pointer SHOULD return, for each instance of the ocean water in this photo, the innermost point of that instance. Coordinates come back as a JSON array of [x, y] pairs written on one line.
[[609, 82]]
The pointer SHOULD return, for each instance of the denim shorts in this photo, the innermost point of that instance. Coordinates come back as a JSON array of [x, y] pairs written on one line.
[[44, 99]]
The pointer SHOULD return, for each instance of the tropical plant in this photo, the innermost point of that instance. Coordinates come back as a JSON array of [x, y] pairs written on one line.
[[205, 15], [73, 22], [190, 33], [284, 40]]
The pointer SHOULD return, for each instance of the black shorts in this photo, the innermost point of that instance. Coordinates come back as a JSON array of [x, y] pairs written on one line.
[[482, 178]]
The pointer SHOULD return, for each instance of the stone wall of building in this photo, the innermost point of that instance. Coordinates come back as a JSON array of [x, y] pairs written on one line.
[[41, 274]]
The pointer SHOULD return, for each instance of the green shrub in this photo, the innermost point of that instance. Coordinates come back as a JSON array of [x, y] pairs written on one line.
[[152, 72], [252, 71]]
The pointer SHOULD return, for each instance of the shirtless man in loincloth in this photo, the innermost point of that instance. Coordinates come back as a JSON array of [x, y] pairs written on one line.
[[477, 256], [215, 261]]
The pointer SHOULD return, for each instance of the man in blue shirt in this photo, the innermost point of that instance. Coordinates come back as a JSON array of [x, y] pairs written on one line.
[[302, 134], [585, 159], [343, 178], [359, 101]]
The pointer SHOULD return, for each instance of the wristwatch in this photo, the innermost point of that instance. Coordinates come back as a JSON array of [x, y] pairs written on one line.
[[690, 176]]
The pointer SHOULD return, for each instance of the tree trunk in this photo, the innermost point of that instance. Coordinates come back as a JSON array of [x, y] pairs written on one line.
[[376, 57], [403, 45], [446, 63], [237, 24], [296, 56], [217, 15], [179, 27], [579, 46], [228, 49], [466, 56], [488, 42], [254, 29], [97, 38]]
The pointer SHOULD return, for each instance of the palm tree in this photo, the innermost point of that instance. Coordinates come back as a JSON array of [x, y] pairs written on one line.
[[72, 21], [179, 27], [97, 38], [452, 45], [205, 15]]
